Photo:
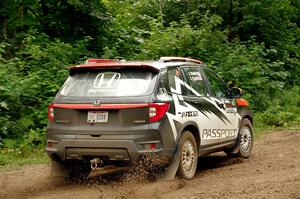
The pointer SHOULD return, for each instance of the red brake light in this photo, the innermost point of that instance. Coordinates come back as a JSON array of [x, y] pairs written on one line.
[[157, 111], [51, 112], [96, 61], [153, 146]]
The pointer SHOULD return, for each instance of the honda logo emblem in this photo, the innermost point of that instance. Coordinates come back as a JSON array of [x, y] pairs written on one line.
[[97, 103], [106, 80]]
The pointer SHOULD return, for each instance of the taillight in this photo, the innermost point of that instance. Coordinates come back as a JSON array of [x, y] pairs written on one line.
[[51, 112], [51, 143], [157, 111], [150, 146]]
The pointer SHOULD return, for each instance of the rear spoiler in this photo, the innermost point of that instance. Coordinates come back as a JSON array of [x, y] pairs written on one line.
[[113, 64]]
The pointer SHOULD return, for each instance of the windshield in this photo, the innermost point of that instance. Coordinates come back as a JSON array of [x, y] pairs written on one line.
[[109, 83]]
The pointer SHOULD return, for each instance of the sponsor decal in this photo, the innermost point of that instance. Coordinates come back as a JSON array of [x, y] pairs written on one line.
[[189, 114], [218, 133], [195, 76]]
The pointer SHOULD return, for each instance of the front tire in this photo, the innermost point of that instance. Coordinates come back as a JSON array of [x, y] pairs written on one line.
[[244, 142], [188, 156]]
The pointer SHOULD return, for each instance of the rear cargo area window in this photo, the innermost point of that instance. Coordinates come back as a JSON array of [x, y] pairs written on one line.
[[114, 83]]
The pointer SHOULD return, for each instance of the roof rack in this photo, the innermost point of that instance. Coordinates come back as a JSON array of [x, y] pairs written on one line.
[[98, 61], [181, 59]]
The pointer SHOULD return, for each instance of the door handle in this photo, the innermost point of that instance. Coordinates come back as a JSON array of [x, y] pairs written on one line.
[[194, 102]]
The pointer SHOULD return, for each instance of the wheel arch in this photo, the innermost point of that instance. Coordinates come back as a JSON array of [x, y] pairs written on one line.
[[249, 118], [246, 114], [193, 128]]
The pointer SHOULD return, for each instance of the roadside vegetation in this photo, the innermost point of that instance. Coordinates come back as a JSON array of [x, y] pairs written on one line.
[[252, 44]]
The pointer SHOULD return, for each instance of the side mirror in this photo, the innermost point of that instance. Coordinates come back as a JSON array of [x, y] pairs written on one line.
[[236, 92]]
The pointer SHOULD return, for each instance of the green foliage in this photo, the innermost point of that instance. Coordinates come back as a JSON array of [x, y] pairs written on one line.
[[29, 82], [283, 110], [248, 66], [177, 39]]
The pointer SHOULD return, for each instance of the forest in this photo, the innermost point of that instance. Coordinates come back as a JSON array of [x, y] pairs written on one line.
[[254, 45]]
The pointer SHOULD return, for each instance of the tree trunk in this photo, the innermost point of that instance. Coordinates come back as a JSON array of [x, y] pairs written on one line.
[[229, 20], [4, 28]]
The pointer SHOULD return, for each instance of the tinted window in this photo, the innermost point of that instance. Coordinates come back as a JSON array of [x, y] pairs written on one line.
[[162, 83], [172, 74], [217, 86], [195, 80], [114, 83]]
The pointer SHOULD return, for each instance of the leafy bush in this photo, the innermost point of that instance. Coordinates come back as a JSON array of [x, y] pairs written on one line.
[[29, 81], [283, 110]]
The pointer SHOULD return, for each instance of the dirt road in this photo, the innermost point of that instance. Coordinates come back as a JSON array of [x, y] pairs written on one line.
[[273, 171]]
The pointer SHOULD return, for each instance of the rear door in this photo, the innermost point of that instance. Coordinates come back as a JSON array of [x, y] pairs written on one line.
[[197, 95]]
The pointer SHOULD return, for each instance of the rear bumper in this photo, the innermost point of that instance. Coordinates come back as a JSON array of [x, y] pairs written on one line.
[[114, 148]]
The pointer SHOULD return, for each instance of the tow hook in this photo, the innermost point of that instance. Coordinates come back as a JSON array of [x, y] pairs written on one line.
[[94, 163]]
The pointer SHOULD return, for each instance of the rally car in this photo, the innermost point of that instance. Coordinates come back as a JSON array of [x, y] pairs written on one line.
[[112, 112]]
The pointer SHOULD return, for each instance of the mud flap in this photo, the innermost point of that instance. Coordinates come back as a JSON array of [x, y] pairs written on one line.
[[171, 170], [58, 170], [237, 145], [236, 149]]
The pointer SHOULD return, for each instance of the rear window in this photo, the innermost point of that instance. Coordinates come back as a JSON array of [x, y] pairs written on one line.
[[114, 83]]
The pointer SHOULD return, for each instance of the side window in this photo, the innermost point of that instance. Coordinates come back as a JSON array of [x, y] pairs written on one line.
[[171, 79], [172, 73], [195, 80], [162, 83], [217, 87]]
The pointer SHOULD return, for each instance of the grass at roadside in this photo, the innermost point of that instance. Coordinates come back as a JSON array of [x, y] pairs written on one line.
[[16, 158], [260, 129]]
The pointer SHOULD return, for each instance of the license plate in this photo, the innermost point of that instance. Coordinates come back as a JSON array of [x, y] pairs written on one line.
[[97, 117]]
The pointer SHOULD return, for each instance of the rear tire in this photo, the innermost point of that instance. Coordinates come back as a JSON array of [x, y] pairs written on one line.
[[188, 156], [244, 142]]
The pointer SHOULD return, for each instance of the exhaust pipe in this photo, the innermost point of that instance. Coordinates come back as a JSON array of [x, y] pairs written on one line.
[[95, 162]]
